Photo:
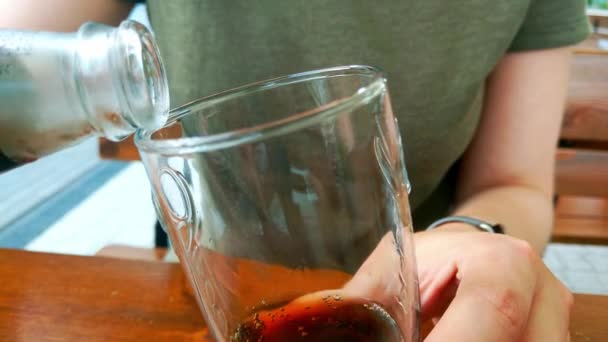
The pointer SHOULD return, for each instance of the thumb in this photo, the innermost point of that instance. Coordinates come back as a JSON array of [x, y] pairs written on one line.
[[438, 287]]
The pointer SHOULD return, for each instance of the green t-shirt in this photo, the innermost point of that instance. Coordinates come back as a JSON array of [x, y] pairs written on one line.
[[437, 54]]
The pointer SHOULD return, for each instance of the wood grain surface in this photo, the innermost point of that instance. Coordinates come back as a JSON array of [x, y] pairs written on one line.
[[50, 297], [581, 220], [586, 116], [581, 172]]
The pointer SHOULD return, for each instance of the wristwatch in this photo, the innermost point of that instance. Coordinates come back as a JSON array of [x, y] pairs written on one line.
[[495, 228]]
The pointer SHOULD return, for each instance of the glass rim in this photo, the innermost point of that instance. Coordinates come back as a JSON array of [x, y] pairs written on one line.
[[145, 142]]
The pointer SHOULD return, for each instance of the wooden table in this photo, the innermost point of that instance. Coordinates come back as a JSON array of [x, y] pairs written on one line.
[[50, 297]]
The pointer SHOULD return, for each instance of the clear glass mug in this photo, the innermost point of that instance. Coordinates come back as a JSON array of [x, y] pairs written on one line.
[[287, 204]]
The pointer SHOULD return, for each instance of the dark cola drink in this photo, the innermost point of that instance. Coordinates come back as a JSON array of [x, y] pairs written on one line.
[[324, 318]]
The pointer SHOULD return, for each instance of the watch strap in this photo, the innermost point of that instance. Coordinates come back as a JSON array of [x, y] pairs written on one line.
[[477, 223]]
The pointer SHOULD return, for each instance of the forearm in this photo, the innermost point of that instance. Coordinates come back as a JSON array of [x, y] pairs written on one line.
[[61, 15], [507, 172], [524, 212]]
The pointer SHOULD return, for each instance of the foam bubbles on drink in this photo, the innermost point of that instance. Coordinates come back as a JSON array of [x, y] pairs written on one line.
[[321, 317]]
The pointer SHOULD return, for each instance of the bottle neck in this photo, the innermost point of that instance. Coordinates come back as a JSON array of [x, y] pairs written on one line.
[[120, 79]]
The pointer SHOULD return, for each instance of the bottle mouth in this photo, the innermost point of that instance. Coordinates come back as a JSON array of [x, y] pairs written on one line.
[[142, 77]]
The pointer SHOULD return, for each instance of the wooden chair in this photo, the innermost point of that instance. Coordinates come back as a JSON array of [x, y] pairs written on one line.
[[581, 213]]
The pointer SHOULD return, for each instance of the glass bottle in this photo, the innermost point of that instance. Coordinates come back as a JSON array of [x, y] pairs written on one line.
[[58, 88]]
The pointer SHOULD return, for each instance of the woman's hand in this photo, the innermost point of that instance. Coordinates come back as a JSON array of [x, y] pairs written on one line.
[[488, 287], [474, 285]]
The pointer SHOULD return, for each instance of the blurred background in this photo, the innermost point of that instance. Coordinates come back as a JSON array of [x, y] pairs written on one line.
[[94, 196], [599, 4]]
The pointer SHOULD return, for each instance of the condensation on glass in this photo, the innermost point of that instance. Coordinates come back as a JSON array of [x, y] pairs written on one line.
[[58, 88]]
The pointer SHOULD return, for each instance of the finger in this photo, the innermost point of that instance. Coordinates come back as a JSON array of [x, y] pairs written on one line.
[[550, 312], [474, 318], [492, 302], [437, 294], [379, 274]]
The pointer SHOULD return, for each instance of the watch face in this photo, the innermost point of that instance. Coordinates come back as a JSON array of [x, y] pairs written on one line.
[[485, 226]]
